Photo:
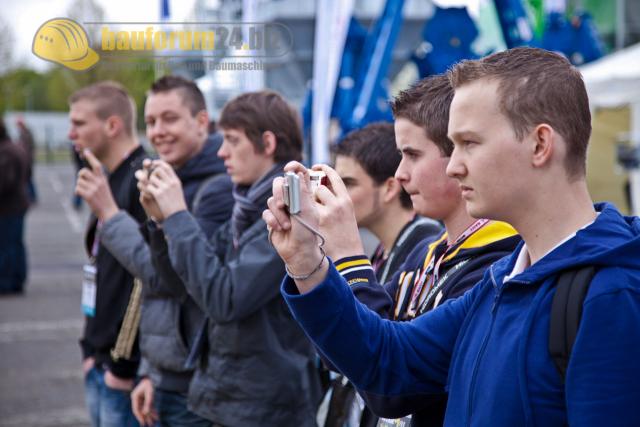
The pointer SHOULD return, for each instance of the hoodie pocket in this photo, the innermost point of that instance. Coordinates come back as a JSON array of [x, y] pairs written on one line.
[[160, 339]]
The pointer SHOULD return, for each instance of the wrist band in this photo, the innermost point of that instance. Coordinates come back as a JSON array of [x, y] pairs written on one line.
[[306, 276]]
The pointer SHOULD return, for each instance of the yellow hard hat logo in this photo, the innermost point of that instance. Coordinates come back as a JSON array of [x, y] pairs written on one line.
[[64, 42]]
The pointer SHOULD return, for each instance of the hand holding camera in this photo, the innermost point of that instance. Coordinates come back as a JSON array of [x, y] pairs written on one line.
[[336, 216], [291, 188], [293, 224], [147, 200], [324, 205], [158, 180]]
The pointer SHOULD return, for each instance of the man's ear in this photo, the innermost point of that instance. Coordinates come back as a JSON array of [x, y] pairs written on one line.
[[202, 117], [391, 189], [113, 126], [269, 142], [543, 145]]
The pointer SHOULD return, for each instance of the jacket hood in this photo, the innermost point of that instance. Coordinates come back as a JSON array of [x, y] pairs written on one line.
[[205, 163], [612, 240], [495, 236]]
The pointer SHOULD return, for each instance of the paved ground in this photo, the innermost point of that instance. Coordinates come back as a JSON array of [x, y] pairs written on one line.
[[40, 377]]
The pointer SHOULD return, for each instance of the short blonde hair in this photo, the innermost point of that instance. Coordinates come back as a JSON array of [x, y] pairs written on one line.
[[110, 99]]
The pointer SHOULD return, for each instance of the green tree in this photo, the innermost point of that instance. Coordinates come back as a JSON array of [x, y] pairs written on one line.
[[26, 89], [19, 90], [6, 46]]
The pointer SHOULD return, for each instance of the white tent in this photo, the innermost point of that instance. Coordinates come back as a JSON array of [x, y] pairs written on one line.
[[614, 81]]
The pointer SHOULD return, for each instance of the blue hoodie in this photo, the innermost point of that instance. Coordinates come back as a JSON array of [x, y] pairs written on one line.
[[488, 348]]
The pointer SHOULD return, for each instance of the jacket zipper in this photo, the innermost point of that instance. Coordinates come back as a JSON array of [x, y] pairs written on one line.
[[494, 309], [483, 347]]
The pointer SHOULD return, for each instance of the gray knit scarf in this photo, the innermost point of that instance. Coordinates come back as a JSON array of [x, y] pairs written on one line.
[[250, 201]]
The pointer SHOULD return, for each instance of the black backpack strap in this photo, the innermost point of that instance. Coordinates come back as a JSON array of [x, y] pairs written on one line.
[[566, 311]]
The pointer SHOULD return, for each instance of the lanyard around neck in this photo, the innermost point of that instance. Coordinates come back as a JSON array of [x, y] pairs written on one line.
[[429, 276]]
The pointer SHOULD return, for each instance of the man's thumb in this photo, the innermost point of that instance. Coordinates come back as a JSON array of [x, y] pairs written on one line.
[[147, 405]]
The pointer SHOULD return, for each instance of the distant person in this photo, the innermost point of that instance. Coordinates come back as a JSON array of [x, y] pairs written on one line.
[[14, 203], [103, 127], [26, 141]]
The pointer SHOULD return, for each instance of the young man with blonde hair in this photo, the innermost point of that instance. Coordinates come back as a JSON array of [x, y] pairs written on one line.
[[103, 129]]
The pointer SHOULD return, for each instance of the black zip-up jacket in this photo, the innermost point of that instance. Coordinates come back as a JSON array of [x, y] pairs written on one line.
[[114, 283]]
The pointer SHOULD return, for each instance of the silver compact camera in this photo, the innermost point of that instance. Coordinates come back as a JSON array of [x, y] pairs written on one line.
[[291, 188]]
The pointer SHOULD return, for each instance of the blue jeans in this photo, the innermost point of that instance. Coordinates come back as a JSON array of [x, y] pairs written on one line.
[[13, 256], [173, 412], [107, 407]]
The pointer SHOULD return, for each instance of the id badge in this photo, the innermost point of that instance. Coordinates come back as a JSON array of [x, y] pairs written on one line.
[[400, 422], [89, 290]]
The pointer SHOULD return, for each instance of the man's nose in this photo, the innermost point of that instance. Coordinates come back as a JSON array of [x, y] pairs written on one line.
[[455, 167], [222, 153], [401, 173]]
